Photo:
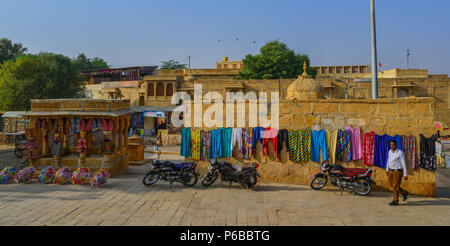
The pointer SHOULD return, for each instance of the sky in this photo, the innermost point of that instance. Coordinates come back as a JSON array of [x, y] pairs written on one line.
[[146, 32]]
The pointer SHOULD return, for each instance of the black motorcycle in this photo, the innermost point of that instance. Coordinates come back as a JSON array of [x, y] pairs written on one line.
[[246, 176], [184, 172], [357, 179]]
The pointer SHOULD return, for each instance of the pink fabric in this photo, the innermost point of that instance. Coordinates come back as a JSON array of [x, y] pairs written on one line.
[[355, 134]]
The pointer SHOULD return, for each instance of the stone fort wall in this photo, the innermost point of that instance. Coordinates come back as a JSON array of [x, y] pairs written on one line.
[[410, 116]]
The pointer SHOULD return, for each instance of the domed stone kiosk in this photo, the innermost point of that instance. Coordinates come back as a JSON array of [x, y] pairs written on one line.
[[305, 87]]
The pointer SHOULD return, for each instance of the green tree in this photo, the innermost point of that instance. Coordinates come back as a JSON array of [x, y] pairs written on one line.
[[41, 76], [172, 64], [81, 62], [275, 61], [10, 50]]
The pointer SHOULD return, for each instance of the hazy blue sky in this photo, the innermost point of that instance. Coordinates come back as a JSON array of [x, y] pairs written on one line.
[[138, 32]]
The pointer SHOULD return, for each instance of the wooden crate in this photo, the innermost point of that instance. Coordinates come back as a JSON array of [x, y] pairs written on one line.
[[136, 151]]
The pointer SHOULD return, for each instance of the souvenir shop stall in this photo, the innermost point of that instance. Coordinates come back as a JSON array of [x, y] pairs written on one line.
[[443, 145], [11, 126], [147, 122], [79, 133]]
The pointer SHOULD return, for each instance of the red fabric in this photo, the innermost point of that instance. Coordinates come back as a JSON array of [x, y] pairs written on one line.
[[368, 148], [82, 146], [270, 134], [107, 125]]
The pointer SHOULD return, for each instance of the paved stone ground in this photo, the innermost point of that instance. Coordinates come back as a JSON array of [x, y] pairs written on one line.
[[7, 156], [126, 201], [443, 182]]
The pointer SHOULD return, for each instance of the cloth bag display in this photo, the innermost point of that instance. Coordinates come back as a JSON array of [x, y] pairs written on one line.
[[63, 176], [25, 175], [81, 176], [99, 178], [46, 176], [8, 175]]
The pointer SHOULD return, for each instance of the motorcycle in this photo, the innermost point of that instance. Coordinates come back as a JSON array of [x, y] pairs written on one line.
[[358, 179], [184, 172], [246, 176]]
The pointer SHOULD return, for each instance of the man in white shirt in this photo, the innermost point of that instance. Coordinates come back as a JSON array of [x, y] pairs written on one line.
[[396, 169]]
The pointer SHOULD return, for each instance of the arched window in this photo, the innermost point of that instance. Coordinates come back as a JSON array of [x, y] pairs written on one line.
[[150, 90], [169, 90], [160, 90]]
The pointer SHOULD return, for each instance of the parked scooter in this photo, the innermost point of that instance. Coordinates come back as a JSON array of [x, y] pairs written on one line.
[[184, 172], [246, 176], [358, 179]]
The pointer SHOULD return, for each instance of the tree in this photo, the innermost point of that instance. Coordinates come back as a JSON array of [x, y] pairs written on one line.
[[10, 50], [84, 63], [275, 61], [172, 64], [41, 76]]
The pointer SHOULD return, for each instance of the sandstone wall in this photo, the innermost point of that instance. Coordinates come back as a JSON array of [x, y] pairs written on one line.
[[411, 116]]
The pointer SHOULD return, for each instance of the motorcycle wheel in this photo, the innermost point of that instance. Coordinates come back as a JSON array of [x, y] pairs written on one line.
[[209, 179], [150, 179], [192, 179], [363, 187], [253, 181], [318, 182]]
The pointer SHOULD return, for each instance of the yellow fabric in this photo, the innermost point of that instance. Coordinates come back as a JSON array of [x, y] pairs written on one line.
[[331, 145]]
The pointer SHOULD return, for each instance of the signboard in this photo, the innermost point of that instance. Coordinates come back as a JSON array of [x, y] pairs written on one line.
[[155, 114]]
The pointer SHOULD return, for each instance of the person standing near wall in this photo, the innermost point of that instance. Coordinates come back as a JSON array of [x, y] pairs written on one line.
[[396, 170]]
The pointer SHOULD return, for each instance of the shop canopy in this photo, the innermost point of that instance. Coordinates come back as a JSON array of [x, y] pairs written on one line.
[[154, 109], [79, 113], [14, 114]]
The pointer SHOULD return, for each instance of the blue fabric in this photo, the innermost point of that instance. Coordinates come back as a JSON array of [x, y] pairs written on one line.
[[186, 142], [75, 125], [397, 139], [216, 143], [381, 150], [318, 143], [226, 142], [141, 119], [258, 134]]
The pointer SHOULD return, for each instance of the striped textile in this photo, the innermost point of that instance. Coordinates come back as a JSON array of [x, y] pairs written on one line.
[[305, 140], [292, 136], [348, 146], [340, 146]]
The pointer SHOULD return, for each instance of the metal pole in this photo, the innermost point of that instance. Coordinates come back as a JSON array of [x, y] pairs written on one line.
[[374, 52], [407, 58], [189, 58]]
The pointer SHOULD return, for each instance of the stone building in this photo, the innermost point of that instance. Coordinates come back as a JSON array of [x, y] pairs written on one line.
[[409, 104]]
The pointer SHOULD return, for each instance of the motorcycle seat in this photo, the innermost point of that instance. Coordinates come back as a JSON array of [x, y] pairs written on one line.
[[237, 167], [180, 166], [353, 172]]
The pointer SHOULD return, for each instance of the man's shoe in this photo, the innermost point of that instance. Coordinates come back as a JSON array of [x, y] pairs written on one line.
[[405, 195], [393, 204]]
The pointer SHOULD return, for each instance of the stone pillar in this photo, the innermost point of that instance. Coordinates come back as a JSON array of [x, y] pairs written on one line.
[[120, 132], [165, 90], [154, 90], [127, 123], [45, 139], [66, 147], [115, 129]]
